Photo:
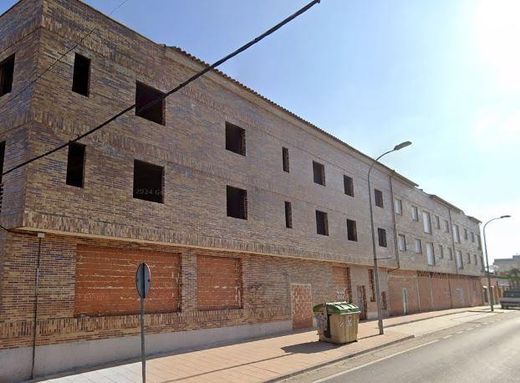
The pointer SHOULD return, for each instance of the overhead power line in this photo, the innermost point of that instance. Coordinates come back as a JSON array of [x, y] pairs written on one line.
[[174, 90], [58, 60]]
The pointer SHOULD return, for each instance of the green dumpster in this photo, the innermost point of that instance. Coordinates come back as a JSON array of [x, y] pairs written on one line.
[[337, 322]]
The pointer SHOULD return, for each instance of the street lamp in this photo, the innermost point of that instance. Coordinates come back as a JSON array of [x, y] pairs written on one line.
[[376, 273], [490, 295]]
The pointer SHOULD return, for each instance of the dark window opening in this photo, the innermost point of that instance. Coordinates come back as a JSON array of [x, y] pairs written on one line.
[[235, 139], [6, 75], [285, 159], [378, 194], [76, 165], [288, 215], [81, 77], [351, 230], [148, 181], [319, 173], [149, 103], [348, 184], [322, 224], [381, 234], [236, 202], [2, 155]]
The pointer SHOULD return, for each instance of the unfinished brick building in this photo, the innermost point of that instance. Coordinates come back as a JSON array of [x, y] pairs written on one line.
[[247, 214]]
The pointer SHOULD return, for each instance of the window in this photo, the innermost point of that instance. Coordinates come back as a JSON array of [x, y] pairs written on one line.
[[288, 215], [401, 241], [378, 195], [450, 253], [219, 283], [398, 206], [446, 226], [430, 256], [149, 103], [285, 159], [371, 281], [76, 165], [319, 173], [460, 264], [479, 243], [322, 224], [465, 234], [456, 234], [437, 222], [148, 181], [469, 258], [473, 237], [236, 202], [81, 76], [415, 213], [348, 185], [351, 230], [441, 251], [6, 75], [427, 222], [235, 139], [418, 246], [475, 259], [381, 235]]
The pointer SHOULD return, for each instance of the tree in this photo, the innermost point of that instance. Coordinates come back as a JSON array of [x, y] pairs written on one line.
[[514, 277]]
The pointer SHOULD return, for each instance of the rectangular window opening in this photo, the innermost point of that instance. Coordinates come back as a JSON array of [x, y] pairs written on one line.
[[148, 181], [235, 139], [415, 213], [418, 246], [76, 165], [6, 75], [288, 215], [378, 194], [149, 103], [236, 202], [348, 185], [381, 235], [430, 255], [319, 173], [402, 242], [398, 206], [322, 224], [81, 76], [285, 159], [427, 223], [351, 230]]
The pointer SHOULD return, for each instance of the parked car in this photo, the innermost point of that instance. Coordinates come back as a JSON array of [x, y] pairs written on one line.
[[511, 298]]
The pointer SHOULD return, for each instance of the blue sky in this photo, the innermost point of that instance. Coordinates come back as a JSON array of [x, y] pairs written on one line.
[[443, 74]]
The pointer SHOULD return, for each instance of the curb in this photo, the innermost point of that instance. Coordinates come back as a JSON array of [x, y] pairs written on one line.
[[419, 320], [332, 361]]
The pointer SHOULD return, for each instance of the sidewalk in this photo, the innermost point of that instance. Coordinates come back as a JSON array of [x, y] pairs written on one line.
[[257, 360]]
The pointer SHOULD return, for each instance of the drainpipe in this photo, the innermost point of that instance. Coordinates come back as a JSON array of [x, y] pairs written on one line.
[[36, 286], [396, 248]]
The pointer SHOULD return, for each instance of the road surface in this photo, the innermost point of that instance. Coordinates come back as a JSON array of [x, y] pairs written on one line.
[[484, 350]]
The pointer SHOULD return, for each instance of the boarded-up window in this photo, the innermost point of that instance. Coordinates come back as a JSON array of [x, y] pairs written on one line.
[[371, 282], [219, 283], [105, 281]]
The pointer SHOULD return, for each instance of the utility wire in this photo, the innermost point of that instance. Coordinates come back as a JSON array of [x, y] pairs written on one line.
[[58, 60], [174, 90]]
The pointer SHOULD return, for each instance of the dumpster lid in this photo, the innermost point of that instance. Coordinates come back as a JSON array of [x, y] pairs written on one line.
[[337, 308]]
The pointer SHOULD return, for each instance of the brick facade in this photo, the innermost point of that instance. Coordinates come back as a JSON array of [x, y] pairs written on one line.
[[209, 271]]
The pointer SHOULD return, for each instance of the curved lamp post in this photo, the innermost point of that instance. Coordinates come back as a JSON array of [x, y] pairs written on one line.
[[490, 295], [376, 273]]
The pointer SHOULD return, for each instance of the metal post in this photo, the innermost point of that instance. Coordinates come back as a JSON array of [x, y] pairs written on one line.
[[143, 357]]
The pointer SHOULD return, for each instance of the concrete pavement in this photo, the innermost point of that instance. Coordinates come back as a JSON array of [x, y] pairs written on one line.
[[268, 358]]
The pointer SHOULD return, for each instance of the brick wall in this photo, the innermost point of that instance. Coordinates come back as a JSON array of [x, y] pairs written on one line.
[[219, 283]]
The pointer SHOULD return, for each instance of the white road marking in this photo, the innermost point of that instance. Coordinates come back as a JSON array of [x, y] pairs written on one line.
[[373, 362], [447, 336], [459, 332]]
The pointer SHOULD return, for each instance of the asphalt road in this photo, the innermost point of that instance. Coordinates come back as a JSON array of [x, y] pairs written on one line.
[[483, 351]]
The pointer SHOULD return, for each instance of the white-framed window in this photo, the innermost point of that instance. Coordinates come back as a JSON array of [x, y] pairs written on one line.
[[458, 258], [427, 222], [430, 256], [415, 213], [418, 246], [456, 233], [401, 240], [398, 206]]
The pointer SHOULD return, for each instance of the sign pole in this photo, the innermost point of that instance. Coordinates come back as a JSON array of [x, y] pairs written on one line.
[[143, 279], [143, 353]]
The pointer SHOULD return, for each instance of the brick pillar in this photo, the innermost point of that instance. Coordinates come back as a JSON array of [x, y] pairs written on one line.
[[188, 281]]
